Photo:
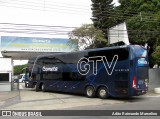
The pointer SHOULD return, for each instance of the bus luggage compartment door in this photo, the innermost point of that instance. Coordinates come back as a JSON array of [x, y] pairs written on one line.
[[121, 84]]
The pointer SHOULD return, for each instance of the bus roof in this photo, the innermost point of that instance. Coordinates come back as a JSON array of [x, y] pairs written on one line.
[[97, 49]]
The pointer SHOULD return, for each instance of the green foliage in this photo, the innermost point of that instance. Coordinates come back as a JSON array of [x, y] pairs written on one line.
[[18, 69], [142, 18], [102, 11], [87, 36], [156, 56], [144, 27]]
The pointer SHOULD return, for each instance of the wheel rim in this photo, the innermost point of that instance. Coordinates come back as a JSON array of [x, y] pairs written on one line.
[[42, 87], [102, 93], [89, 92]]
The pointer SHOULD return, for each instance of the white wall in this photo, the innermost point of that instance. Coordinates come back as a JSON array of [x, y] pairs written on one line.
[[0, 48], [6, 67], [154, 79], [118, 33], [5, 64]]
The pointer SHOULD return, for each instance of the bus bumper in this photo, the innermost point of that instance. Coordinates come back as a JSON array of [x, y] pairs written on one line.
[[137, 92]]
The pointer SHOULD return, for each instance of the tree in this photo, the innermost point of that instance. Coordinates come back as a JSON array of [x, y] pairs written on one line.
[[142, 18], [18, 69], [102, 14], [156, 56], [143, 22], [87, 36]]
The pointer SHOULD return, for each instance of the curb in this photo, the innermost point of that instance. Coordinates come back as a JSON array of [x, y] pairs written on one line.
[[157, 90]]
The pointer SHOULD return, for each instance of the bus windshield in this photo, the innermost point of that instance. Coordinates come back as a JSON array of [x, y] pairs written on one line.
[[140, 51]]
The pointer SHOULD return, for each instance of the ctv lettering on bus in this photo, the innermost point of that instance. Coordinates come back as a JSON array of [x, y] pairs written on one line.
[[84, 65]]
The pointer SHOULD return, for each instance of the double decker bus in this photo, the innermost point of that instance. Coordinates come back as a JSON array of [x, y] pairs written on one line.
[[120, 71]]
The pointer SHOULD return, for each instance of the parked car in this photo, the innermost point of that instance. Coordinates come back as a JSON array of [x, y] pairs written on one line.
[[15, 78], [21, 78]]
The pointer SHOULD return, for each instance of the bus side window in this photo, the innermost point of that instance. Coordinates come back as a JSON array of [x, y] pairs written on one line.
[[123, 54], [107, 53], [72, 76], [66, 76]]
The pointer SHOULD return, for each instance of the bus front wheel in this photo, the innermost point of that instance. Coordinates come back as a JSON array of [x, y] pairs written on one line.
[[103, 92], [90, 92]]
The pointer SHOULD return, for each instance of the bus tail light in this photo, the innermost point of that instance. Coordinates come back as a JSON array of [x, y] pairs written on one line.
[[134, 84]]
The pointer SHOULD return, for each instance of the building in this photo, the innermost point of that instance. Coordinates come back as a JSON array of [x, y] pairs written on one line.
[[23, 48], [6, 72]]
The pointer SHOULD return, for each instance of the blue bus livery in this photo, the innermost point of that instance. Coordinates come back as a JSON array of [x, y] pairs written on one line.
[[120, 71]]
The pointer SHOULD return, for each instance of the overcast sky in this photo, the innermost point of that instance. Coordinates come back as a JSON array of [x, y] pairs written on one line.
[[50, 12], [45, 12]]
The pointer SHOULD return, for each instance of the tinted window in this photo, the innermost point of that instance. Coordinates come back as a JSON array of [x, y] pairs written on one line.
[[4, 76], [107, 53], [52, 76], [122, 53], [72, 76], [44, 63], [70, 58]]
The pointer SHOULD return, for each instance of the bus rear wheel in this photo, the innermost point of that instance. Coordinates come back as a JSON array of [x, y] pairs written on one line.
[[37, 88], [90, 92], [103, 93], [43, 87]]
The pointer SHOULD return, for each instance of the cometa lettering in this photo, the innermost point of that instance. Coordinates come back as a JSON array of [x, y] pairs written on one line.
[[49, 68], [142, 62]]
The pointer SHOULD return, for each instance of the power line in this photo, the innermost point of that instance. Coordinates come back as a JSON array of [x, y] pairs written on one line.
[[148, 18], [111, 14], [33, 25], [32, 32], [37, 30], [128, 14], [64, 30], [57, 33], [134, 12], [133, 33], [56, 10], [43, 3], [41, 8]]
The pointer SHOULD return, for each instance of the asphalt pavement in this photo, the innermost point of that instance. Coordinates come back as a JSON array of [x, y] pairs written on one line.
[[28, 99]]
